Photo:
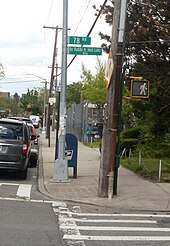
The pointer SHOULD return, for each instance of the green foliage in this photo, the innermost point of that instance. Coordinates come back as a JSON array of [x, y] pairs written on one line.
[[94, 89], [128, 143], [147, 53], [165, 145], [11, 105], [74, 93], [32, 101], [93, 144], [131, 133], [148, 168], [130, 138], [86, 75], [4, 102]]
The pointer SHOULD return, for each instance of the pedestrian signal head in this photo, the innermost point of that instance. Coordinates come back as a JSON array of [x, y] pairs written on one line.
[[140, 88]]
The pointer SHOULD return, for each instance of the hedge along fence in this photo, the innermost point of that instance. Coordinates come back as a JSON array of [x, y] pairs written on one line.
[[145, 166], [130, 138]]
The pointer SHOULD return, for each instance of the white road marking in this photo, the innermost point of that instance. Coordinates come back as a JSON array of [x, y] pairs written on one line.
[[72, 229], [112, 228], [59, 204], [116, 238], [31, 200], [24, 191], [109, 221], [13, 184], [12, 199], [118, 215]]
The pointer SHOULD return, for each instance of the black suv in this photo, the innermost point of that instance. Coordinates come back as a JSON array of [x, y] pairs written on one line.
[[15, 146]]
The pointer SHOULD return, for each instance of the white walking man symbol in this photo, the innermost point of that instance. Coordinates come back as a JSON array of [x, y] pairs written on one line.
[[143, 89]]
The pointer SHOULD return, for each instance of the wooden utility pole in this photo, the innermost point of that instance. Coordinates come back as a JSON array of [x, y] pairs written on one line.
[[51, 84], [54, 104], [108, 154]]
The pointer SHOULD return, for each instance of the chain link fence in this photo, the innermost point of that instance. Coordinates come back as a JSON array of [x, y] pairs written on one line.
[[76, 122], [80, 117]]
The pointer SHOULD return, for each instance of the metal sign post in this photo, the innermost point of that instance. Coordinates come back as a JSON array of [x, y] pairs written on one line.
[[61, 164]]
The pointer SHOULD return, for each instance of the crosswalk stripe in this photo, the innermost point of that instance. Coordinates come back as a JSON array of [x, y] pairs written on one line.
[[116, 238], [71, 221], [76, 221], [24, 191], [110, 221], [111, 228], [116, 215]]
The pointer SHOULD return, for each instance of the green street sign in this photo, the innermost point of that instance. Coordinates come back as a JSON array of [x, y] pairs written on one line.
[[79, 40], [84, 51]]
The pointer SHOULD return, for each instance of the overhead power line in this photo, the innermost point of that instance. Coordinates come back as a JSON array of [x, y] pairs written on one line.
[[91, 29], [82, 16], [18, 82]]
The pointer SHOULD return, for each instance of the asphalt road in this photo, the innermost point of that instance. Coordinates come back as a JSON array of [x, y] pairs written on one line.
[[27, 217]]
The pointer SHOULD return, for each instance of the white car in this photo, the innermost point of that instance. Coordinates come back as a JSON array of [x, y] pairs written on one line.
[[35, 120]]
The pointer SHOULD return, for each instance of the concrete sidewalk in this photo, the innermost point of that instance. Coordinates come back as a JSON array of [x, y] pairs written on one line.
[[134, 192]]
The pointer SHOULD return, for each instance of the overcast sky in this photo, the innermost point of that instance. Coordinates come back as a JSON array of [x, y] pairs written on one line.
[[27, 48]]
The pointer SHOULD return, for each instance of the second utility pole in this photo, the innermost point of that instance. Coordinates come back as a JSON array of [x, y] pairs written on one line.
[[110, 127], [51, 85]]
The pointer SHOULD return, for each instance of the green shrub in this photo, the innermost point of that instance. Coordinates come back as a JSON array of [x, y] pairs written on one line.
[[133, 132], [128, 143]]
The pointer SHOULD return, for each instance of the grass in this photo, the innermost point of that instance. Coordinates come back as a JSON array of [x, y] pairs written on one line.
[[93, 144], [148, 168]]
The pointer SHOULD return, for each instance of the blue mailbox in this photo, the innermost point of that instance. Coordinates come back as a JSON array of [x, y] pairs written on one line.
[[71, 152]]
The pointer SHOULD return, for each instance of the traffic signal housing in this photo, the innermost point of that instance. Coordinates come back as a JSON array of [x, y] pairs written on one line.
[[140, 88]]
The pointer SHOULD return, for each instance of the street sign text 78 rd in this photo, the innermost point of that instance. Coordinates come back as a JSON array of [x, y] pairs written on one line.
[[84, 51], [79, 40]]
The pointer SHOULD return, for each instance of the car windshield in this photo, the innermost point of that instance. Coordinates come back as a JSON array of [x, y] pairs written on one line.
[[11, 131]]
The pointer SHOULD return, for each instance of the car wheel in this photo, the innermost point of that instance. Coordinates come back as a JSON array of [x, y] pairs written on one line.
[[23, 174], [33, 163]]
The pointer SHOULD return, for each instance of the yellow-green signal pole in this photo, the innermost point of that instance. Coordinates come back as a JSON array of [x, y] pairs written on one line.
[[117, 161]]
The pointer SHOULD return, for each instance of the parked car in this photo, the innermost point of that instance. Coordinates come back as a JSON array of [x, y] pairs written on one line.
[[34, 155], [34, 152], [15, 146]]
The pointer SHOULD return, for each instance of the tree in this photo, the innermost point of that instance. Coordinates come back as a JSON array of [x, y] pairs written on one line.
[[147, 52], [4, 105], [94, 89], [32, 102], [15, 105], [74, 92]]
